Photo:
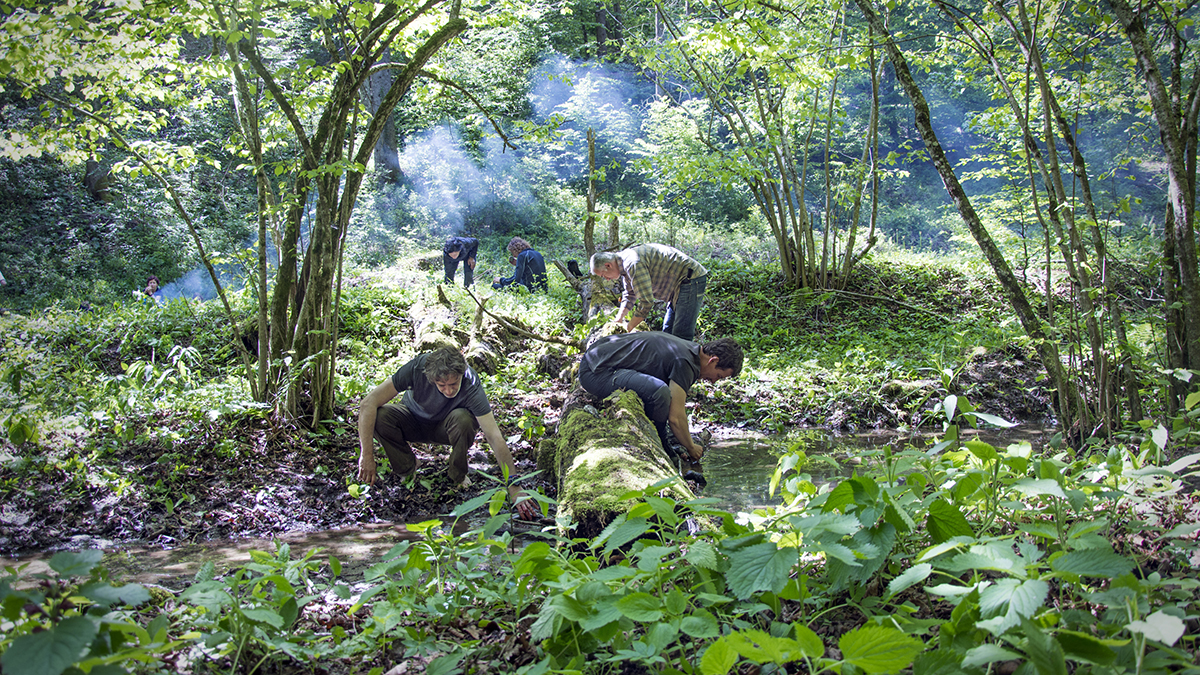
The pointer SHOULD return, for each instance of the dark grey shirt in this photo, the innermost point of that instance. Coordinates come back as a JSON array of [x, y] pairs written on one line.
[[427, 403], [660, 355]]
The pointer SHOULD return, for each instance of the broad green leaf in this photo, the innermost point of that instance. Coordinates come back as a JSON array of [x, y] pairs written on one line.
[[810, 643], [106, 595], [701, 625], [641, 607], [266, 616], [49, 652], [661, 636], [1043, 530], [703, 554], [761, 647], [761, 567], [939, 662], [984, 451], [1160, 627], [986, 653], [75, 564], [603, 613], [568, 607], [1044, 653], [1010, 596], [910, 577], [718, 659], [1039, 487], [996, 420], [1083, 647], [945, 522], [627, 532], [1092, 562], [1182, 530], [879, 649]]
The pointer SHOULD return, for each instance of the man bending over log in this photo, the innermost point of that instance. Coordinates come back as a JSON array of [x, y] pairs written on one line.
[[656, 272], [660, 368], [444, 403]]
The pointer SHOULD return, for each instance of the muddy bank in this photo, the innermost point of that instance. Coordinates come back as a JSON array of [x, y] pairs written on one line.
[[257, 477]]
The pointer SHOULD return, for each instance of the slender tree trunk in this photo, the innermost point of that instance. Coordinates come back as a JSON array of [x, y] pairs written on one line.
[[1181, 188], [1068, 401]]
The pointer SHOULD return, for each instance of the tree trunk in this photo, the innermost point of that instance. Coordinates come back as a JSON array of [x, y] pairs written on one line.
[[1069, 404], [1171, 130], [599, 453], [386, 153]]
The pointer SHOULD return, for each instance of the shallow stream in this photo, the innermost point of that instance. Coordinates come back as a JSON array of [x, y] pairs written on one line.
[[738, 468]]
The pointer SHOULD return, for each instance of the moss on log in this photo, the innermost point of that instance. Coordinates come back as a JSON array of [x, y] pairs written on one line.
[[598, 455]]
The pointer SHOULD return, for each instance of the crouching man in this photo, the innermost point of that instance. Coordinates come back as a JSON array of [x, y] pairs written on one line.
[[444, 403], [660, 368]]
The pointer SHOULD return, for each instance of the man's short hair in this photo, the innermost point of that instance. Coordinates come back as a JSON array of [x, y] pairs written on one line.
[[602, 257], [152, 278], [444, 363], [728, 352]]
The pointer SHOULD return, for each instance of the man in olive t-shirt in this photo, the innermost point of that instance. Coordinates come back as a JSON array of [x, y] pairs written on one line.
[[660, 368], [444, 402]]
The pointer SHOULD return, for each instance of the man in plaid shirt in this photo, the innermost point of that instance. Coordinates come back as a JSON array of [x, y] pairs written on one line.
[[656, 272]]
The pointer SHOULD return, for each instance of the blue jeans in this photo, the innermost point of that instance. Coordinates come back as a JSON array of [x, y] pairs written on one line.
[[655, 394], [451, 265], [680, 320]]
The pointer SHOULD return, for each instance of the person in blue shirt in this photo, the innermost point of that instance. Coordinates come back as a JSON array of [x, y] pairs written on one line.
[[460, 249], [530, 267]]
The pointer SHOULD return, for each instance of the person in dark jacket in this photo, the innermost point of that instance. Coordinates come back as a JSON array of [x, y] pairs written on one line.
[[460, 249], [530, 270]]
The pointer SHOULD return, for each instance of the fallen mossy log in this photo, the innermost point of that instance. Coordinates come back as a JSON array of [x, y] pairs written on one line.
[[601, 452], [434, 323]]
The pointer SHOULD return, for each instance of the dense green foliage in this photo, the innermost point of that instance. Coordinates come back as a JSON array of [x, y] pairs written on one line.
[[136, 133]]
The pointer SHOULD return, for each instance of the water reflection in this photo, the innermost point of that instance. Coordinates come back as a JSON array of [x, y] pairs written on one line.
[[738, 468]]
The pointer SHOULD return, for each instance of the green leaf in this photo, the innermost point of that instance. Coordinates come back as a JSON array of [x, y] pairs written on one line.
[[1160, 627], [1092, 562], [993, 419], [1044, 653], [641, 607], [603, 613], [1043, 530], [911, 576], [49, 652], [945, 522], [878, 649], [1083, 647], [75, 564], [106, 595], [627, 532], [266, 616], [569, 608], [986, 653], [984, 451], [940, 662], [1039, 487], [809, 643], [761, 567], [703, 554], [762, 647], [718, 658], [701, 625]]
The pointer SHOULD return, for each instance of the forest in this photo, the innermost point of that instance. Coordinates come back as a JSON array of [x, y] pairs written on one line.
[[964, 232]]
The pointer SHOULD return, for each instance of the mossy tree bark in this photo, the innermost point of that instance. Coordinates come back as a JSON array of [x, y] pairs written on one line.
[[601, 453]]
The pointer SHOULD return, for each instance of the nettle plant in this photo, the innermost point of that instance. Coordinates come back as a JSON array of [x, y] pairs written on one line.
[[73, 618], [1017, 547]]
